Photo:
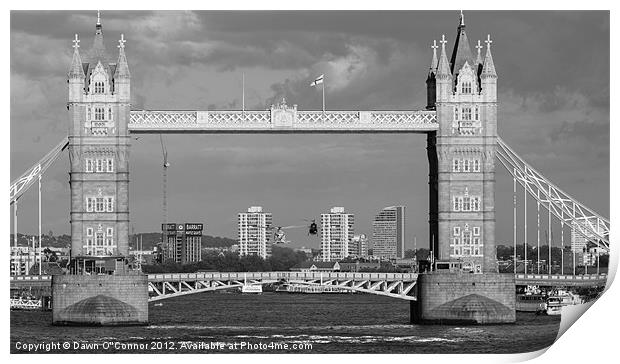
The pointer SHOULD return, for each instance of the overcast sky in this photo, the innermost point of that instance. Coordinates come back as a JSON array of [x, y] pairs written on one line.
[[553, 88]]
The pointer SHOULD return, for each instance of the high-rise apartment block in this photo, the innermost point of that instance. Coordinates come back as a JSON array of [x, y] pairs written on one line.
[[255, 232], [388, 234], [336, 234], [182, 242]]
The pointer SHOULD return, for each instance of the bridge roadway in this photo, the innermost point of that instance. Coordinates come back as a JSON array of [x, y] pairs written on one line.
[[396, 285]]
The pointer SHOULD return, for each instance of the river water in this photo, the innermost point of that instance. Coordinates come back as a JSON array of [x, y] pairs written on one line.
[[281, 323]]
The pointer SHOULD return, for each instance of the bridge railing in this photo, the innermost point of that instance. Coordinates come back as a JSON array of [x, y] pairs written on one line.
[[583, 277], [282, 275]]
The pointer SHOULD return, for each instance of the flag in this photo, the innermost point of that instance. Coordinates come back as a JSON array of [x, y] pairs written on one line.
[[318, 81]]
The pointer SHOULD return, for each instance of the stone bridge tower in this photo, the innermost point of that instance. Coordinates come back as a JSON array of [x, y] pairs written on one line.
[[99, 108], [463, 91]]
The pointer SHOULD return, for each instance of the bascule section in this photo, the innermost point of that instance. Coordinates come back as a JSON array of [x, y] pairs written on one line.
[[99, 109]]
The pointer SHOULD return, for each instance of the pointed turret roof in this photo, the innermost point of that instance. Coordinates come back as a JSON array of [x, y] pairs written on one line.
[[98, 52], [461, 52], [488, 69], [433, 67], [479, 55], [443, 68], [122, 68], [76, 70]]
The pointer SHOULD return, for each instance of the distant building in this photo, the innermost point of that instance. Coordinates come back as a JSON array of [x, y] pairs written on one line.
[[359, 245], [316, 267], [579, 241], [359, 266], [336, 234], [388, 234], [182, 242], [23, 258], [255, 232]]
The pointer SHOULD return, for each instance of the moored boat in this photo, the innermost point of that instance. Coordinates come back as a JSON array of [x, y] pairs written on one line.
[[252, 288]]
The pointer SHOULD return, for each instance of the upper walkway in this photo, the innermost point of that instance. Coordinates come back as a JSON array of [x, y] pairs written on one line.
[[282, 119]]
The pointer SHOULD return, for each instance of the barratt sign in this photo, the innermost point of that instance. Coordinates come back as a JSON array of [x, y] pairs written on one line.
[[182, 227], [193, 227]]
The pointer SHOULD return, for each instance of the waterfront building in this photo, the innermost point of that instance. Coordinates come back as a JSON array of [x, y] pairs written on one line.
[[22, 259], [579, 241], [254, 227], [310, 266], [336, 234], [182, 242], [359, 245], [388, 234]]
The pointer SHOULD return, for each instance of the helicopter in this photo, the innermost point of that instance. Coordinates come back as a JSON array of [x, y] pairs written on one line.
[[279, 236]]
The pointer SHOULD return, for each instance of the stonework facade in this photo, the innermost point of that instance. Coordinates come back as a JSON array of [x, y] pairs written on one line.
[[99, 112], [462, 156]]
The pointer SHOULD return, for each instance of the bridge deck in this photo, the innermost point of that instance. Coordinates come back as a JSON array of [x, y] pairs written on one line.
[[282, 120]]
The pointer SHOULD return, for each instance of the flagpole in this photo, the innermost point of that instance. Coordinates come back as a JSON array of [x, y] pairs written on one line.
[[243, 92], [323, 88]]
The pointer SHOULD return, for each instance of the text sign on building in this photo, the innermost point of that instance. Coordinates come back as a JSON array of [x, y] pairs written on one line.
[[193, 227], [169, 227]]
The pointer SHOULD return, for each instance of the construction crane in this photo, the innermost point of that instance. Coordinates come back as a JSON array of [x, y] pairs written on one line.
[[164, 186]]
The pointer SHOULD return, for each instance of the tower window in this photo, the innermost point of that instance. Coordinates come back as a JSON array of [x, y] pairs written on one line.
[[89, 165], [466, 87], [466, 165], [476, 113], [99, 114], [110, 113], [466, 114], [110, 165], [99, 204], [99, 87], [89, 204], [456, 165], [476, 165]]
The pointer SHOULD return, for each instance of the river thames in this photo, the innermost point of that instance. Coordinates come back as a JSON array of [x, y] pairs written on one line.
[[281, 323]]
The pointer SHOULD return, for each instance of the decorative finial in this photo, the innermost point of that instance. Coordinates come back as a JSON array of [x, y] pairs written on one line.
[[98, 17], [478, 47], [462, 19], [121, 42], [434, 46], [488, 41], [443, 41], [76, 42]]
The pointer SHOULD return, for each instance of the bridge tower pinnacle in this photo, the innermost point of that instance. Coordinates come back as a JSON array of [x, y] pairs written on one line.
[[462, 157], [99, 109]]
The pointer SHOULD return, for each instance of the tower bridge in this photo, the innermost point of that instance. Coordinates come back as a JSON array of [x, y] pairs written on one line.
[[459, 119]]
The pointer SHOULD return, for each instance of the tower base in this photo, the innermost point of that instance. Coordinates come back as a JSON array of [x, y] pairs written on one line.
[[457, 298], [100, 300]]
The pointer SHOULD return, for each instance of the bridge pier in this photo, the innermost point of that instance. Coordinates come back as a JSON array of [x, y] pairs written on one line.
[[100, 300], [464, 298]]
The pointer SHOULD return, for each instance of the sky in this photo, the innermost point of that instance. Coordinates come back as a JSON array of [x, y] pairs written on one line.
[[553, 109]]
